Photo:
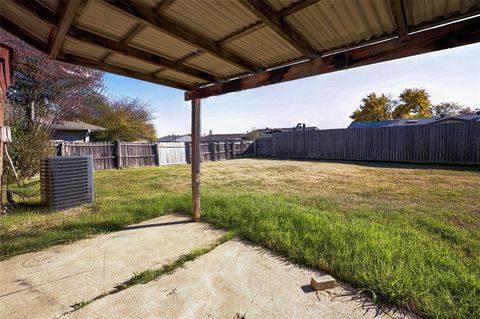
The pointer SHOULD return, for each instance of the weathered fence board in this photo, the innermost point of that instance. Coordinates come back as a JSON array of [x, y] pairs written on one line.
[[263, 146], [453, 143], [108, 155]]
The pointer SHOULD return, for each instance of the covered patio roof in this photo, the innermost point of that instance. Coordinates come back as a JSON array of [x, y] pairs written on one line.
[[211, 47]]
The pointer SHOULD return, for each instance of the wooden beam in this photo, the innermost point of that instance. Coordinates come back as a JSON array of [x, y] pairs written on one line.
[[106, 56], [449, 36], [16, 30], [39, 10], [139, 28], [398, 12], [189, 57], [241, 33], [163, 6], [73, 59], [147, 15], [86, 36], [195, 161], [294, 8], [273, 19], [67, 11]]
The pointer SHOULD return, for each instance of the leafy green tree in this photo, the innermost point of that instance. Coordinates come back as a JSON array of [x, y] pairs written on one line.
[[447, 108], [126, 119], [413, 103], [374, 108], [467, 111], [253, 134], [43, 91]]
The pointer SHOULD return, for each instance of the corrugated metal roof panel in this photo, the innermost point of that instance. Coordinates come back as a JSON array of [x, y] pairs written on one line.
[[264, 47], [132, 63], [333, 23], [83, 49], [160, 43], [426, 10], [27, 21], [178, 76], [50, 3], [101, 19], [214, 65], [281, 4], [213, 19]]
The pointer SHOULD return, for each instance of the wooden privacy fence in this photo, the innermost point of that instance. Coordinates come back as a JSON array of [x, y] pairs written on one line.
[[108, 155], [218, 151], [452, 143]]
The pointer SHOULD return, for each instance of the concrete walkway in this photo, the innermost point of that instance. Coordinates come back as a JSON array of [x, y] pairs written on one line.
[[46, 284], [234, 280]]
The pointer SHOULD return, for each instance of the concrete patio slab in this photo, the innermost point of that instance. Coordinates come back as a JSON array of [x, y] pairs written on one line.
[[46, 284], [235, 280]]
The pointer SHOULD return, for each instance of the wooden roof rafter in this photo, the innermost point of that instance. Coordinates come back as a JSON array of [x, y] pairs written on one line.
[[189, 57], [125, 49], [139, 28], [398, 12], [67, 11], [145, 14], [163, 6], [40, 11], [444, 37], [120, 47], [275, 21], [19, 32], [89, 63], [297, 6], [221, 61], [241, 33]]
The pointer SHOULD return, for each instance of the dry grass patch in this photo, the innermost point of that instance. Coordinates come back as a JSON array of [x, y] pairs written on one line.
[[409, 234]]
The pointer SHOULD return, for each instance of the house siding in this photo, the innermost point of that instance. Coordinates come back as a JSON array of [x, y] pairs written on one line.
[[70, 136]]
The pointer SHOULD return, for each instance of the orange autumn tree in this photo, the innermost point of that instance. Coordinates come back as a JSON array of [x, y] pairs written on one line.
[[413, 103]]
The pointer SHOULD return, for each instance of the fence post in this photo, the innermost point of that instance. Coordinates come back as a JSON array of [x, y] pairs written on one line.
[[157, 154], [62, 149], [213, 151], [118, 151]]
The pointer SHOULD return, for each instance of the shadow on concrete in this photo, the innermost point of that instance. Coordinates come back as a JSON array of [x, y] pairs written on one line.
[[307, 289], [158, 224]]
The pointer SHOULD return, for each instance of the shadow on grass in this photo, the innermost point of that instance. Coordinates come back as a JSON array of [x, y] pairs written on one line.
[[382, 164]]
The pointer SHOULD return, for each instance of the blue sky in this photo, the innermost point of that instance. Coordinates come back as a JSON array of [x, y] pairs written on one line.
[[325, 101]]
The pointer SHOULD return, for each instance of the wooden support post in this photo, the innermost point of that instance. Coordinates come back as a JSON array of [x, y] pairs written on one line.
[[196, 159], [157, 154], [118, 151]]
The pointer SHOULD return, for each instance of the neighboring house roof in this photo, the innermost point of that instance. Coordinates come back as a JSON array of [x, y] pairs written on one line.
[[77, 126], [286, 129], [371, 124], [224, 137], [459, 118], [175, 138], [417, 121]]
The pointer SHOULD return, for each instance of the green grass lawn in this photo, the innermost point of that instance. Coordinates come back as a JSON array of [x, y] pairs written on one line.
[[408, 235]]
